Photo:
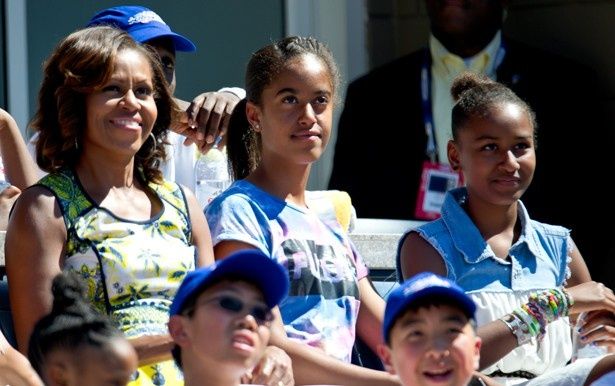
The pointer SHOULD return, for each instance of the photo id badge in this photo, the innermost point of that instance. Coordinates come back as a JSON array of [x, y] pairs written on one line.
[[436, 180]]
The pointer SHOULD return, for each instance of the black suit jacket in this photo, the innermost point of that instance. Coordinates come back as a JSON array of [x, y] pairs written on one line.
[[381, 144]]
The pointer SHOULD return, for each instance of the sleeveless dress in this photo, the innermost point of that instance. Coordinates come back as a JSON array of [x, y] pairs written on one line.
[[538, 260], [132, 268]]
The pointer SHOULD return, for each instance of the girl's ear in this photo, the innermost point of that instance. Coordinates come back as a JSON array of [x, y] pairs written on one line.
[[453, 155], [57, 373], [253, 115]]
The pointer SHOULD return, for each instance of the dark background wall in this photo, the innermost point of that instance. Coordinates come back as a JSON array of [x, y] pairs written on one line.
[[579, 29], [225, 32], [2, 57]]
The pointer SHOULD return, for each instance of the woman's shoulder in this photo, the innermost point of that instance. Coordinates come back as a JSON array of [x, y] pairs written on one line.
[[435, 229], [60, 179], [242, 195], [36, 207], [549, 229], [427, 234], [167, 188]]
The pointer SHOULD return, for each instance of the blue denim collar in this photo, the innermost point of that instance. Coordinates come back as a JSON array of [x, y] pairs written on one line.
[[466, 237]]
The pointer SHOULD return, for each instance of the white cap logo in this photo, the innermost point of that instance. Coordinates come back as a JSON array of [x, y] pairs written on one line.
[[429, 281], [145, 17]]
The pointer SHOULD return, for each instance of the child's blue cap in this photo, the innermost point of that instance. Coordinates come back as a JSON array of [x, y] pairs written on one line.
[[250, 265], [419, 287], [142, 24]]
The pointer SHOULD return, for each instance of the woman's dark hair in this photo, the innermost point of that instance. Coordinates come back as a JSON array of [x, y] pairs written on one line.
[[476, 95], [243, 144], [80, 64], [71, 324]]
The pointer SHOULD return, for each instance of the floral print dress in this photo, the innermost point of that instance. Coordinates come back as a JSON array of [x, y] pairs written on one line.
[[132, 268]]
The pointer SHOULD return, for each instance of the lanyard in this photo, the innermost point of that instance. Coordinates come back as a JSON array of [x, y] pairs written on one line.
[[426, 103]]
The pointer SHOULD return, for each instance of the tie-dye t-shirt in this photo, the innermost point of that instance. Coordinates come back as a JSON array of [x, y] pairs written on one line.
[[323, 265]]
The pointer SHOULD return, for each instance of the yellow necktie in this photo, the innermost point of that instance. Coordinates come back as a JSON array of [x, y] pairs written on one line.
[[455, 65]]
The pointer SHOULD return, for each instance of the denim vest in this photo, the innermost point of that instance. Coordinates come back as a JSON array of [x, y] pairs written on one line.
[[538, 260]]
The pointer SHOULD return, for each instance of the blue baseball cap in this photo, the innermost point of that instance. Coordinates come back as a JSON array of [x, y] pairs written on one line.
[[421, 286], [250, 265], [142, 24]]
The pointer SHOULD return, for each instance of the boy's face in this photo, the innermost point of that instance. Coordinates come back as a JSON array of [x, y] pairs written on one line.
[[432, 346], [220, 335], [166, 51]]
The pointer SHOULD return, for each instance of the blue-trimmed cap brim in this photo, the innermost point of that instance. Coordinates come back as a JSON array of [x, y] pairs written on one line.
[[154, 31], [403, 297], [252, 265], [150, 26]]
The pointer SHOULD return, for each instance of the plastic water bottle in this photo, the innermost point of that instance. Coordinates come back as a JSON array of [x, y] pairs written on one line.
[[584, 350], [3, 182], [211, 174]]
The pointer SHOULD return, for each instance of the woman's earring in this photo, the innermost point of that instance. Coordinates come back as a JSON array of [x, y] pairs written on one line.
[[153, 139], [256, 127], [76, 144]]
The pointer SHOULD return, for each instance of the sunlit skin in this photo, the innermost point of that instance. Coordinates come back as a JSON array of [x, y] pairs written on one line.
[[217, 343], [111, 365], [296, 113], [432, 346], [121, 113], [496, 155]]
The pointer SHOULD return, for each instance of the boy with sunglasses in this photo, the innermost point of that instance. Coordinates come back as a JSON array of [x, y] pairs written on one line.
[[221, 316]]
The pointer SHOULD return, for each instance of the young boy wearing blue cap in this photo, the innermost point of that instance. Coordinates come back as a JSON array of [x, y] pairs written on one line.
[[207, 116], [429, 333], [221, 316]]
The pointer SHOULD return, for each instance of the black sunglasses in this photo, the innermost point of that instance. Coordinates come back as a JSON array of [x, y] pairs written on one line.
[[261, 313]]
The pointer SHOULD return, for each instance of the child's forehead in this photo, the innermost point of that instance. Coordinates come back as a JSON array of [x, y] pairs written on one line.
[[441, 311], [237, 286]]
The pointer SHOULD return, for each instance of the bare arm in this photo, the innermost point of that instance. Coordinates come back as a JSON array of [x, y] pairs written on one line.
[[579, 273], [34, 246], [417, 255], [371, 315], [310, 365], [19, 166], [7, 198], [588, 295], [15, 368]]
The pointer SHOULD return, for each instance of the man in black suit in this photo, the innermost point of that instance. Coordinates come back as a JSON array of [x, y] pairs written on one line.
[[383, 140]]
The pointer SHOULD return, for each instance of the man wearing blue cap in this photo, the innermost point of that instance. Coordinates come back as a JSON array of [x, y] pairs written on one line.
[[429, 333], [221, 317], [206, 117]]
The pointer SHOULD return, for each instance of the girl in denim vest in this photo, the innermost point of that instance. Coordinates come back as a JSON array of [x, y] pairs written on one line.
[[525, 276]]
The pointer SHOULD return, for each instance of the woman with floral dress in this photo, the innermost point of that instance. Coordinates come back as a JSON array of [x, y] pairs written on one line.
[[104, 210]]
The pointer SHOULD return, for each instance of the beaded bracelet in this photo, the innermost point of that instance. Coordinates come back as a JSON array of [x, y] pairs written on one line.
[[530, 320], [569, 299]]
